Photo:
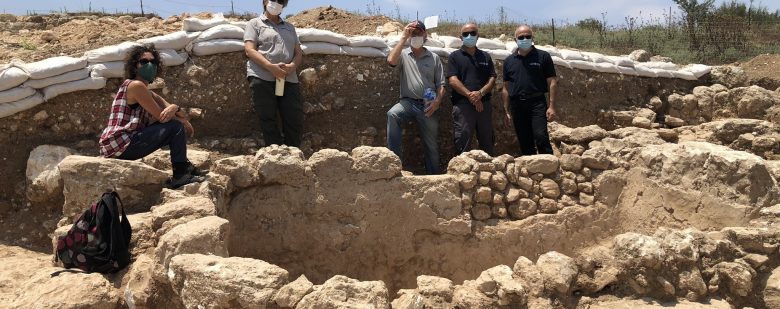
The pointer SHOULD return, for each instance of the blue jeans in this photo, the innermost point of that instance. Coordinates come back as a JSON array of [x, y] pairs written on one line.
[[155, 136], [429, 129]]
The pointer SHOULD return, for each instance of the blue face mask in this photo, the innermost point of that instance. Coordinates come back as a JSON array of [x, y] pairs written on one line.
[[525, 44], [470, 41]]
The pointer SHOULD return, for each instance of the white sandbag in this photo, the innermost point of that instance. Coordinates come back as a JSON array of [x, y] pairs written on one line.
[[552, 50], [15, 94], [627, 71], [571, 55], [217, 47], [317, 35], [559, 61], [431, 42], [698, 70], [442, 52], [451, 41], [581, 64], [11, 77], [484, 43], [498, 54], [594, 57], [321, 48], [58, 79], [605, 67], [54, 66], [620, 61], [364, 51], [511, 45], [177, 40], [89, 83], [644, 72], [114, 69], [659, 65], [686, 75], [170, 57], [367, 41], [239, 23], [110, 53], [9, 109], [392, 41], [196, 24], [663, 73], [225, 31]]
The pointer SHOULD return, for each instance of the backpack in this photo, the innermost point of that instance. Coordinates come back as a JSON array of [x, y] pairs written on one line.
[[99, 240]]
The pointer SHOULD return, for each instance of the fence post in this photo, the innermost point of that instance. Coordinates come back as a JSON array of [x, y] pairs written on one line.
[[553, 32]]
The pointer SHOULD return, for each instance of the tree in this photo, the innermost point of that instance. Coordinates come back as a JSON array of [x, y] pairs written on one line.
[[695, 13]]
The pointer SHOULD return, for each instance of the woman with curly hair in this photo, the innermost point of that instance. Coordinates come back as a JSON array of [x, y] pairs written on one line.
[[141, 121]]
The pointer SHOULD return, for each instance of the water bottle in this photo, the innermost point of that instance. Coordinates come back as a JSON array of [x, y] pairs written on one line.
[[429, 96]]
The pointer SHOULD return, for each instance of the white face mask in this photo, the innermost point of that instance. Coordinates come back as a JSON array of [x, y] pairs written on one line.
[[274, 8], [417, 41]]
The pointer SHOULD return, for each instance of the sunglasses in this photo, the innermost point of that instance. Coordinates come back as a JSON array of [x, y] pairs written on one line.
[[525, 37], [471, 33], [145, 61]]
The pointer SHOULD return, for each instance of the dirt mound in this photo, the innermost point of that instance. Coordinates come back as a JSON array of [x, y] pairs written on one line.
[[763, 70], [337, 20]]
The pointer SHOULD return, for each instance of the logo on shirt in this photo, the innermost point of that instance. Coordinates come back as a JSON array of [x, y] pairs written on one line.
[[535, 64]]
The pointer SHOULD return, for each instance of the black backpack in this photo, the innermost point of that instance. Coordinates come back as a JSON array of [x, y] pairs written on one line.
[[99, 240]]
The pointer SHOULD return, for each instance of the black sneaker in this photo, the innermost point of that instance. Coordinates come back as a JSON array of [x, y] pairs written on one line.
[[178, 182], [194, 171]]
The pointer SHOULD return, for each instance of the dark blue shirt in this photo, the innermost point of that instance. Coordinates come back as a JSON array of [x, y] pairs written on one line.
[[528, 74], [473, 71]]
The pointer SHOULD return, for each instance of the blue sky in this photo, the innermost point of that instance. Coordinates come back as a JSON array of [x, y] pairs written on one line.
[[522, 11]]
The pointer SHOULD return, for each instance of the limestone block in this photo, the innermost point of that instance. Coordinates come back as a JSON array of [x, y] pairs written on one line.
[[342, 292], [205, 235], [558, 271]]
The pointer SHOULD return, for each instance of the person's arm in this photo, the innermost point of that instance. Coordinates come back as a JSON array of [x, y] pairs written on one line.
[[505, 100], [552, 84], [395, 55], [137, 91], [297, 58], [250, 49], [439, 82], [165, 104], [487, 88]]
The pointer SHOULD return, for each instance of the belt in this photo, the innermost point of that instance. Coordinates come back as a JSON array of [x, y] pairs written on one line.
[[420, 101], [527, 97]]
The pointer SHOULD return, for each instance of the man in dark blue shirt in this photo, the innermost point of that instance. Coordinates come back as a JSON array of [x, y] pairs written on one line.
[[472, 76], [528, 74]]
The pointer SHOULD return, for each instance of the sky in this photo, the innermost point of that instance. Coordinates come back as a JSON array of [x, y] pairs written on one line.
[[518, 11]]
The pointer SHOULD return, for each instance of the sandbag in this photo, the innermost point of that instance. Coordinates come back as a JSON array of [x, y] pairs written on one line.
[[392, 41], [196, 24], [559, 61], [620, 61], [552, 50], [484, 43], [226, 31], [682, 74], [605, 67], [89, 83], [59, 79], [321, 48], [594, 57], [663, 73], [15, 94], [11, 77], [644, 72], [218, 46], [498, 54], [177, 40], [451, 41], [367, 41], [442, 52], [698, 70], [170, 57], [239, 23], [54, 66], [114, 69], [364, 51], [431, 42], [659, 65], [627, 71], [571, 55], [9, 109], [511, 46], [110, 53], [317, 35], [581, 65]]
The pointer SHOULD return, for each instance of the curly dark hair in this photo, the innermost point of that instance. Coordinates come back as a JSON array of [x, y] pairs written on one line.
[[133, 57]]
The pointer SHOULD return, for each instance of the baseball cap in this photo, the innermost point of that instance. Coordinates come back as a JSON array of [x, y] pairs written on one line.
[[419, 25]]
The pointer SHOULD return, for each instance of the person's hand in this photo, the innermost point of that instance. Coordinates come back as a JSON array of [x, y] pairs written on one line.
[[408, 31], [278, 70], [289, 67], [187, 126], [478, 106], [550, 114], [507, 120], [432, 108], [168, 113], [474, 97]]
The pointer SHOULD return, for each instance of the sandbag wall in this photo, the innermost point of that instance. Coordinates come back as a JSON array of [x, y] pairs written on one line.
[[26, 85]]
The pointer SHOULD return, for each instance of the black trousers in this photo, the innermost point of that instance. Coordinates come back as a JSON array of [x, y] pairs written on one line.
[[271, 109], [155, 136], [466, 121], [530, 120]]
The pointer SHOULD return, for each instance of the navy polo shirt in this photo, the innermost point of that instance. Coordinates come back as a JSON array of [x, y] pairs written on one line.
[[528, 74], [473, 71]]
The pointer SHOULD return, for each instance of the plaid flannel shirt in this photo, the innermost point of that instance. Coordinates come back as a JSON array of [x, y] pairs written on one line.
[[123, 122]]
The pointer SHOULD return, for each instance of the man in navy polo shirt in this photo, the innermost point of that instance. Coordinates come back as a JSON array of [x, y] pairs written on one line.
[[528, 74], [472, 76]]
